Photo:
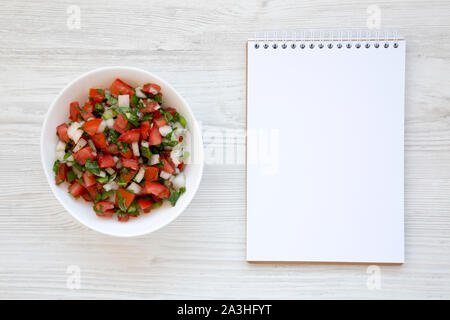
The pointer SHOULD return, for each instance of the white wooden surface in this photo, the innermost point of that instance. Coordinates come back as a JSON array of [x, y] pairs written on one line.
[[199, 47]]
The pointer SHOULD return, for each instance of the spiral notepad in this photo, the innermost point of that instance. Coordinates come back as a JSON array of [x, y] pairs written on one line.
[[325, 137]]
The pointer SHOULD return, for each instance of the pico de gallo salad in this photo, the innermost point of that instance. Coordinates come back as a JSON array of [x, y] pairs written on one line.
[[123, 150]]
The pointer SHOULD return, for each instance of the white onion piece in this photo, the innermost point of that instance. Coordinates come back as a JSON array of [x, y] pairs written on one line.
[[134, 187], [92, 145], [70, 158], [80, 145], [165, 130], [179, 181], [110, 171], [144, 143], [110, 123], [165, 175], [102, 174], [59, 155], [140, 175], [154, 159], [135, 147], [140, 93], [60, 146], [119, 164], [74, 132], [124, 101], [77, 172], [115, 158], [111, 186], [101, 127]]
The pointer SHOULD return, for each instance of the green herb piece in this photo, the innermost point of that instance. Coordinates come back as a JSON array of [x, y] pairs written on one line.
[[123, 147], [146, 152], [181, 120], [111, 99], [147, 116], [67, 155], [71, 176], [100, 91], [134, 100], [78, 166], [182, 190], [56, 166], [157, 204], [133, 208], [174, 195], [158, 98], [121, 202], [112, 135], [103, 195], [92, 166], [99, 107]]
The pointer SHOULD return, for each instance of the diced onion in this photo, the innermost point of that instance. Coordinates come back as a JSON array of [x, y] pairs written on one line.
[[134, 187], [165, 175], [144, 144], [140, 175], [165, 130], [124, 101], [101, 127], [92, 145], [60, 146], [74, 132], [119, 164], [110, 123], [140, 93], [179, 181], [154, 159], [102, 174], [80, 145], [135, 147], [59, 155], [111, 186], [115, 159], [110, 171]]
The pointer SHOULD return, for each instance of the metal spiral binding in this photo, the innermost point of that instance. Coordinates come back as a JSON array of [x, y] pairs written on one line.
[[326, 40]]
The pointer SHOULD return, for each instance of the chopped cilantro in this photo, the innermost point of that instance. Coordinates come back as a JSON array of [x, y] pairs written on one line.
[[56, 166], [71, 176], [92, 166]]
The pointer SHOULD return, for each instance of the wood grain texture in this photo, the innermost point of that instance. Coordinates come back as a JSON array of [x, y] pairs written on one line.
[[199, 47]]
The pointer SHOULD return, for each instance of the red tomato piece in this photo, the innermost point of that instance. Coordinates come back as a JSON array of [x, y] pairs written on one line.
[[97, 95], [87, 115], [145, 205], [89, 179], [92, 190], [151, 106], [74, 111], [130, 136], [121, 123], [160, 122], [151, 88], [126, 177], [127, 196], [61, 175], [154, 137], [145, 129], [112, 148], [171, 110], [76, 189], [118, 87], [127, 155], [104, 208], [181, 166], [91, 126], [123, 217], [105, 161], [130, 163], [168, 165], [156, 189], [62, 132], [100, 140], [151, 174], [82, 155]]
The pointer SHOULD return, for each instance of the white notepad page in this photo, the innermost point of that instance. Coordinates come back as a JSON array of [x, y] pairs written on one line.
[[325, 169]]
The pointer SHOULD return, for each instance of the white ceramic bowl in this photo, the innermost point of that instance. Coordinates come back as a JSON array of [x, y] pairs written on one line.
[[58, 113]]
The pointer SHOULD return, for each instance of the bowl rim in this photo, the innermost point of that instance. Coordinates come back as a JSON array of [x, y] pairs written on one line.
[[194, 124]]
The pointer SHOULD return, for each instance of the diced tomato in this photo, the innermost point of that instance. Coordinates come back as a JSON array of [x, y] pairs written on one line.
[[87, 115], [92, 190], [154, 137], [145, 205], [156, 189], [97, 95], [151, 106], [145, 129], [61, 175], [100, 140], [152, 88], [127, 155], [168, 165], [89, 179], [181, 166], [126, 177], [62, 132], [104, 208], [86, 196], [130, 136], [82, 155], [118, 87], [171, 110], [76, 189], [121, 123], [88, 107], [160, 122], [127, 196], [151, 174], [130, 163], [180, 138], [123, 217], [112, 148], [90, 127], [105, 161], [74, 111]]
